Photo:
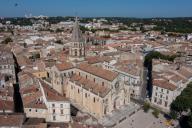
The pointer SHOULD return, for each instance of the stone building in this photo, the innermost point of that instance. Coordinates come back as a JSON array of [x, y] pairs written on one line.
[[92, 88], [7, 64], [59, 74], [77, 47], [97, 90], [42, 101]]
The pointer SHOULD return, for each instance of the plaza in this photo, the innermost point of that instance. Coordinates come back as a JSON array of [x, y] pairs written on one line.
[[144, 120]]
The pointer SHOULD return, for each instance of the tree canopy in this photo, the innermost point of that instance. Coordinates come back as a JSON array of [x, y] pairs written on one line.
[[182, 105], [7, 40], [158, 55]]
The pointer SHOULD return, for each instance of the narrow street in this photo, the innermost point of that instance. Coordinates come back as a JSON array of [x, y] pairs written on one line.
[[144, 84], [17, 96]]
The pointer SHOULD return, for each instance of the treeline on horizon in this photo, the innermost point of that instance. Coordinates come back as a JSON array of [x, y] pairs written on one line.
[[179, 25]]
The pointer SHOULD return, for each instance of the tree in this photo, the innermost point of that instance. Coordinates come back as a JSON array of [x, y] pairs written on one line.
[[158, 55], [58, 30], [83, 29], [173, 115], [183, 104], [189, 120], [146, 107], [58, 42], [7, 40], [156, 112]]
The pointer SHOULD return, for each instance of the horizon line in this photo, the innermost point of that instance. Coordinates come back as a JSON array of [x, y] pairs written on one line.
[[158, 17]]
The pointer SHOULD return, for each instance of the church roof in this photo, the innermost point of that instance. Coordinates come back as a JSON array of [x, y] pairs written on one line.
[[76, 33], [98, 71]]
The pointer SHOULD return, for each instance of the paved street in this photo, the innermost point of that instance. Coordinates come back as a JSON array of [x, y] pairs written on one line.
[[144, 84], [143, 120], [119, 115]]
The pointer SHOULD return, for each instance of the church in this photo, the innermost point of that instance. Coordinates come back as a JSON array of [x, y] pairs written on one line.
[[77, 45], [96, 90]]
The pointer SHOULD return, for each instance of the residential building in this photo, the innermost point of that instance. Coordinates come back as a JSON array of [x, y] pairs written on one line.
[[58, 106], [163, 94], [7, 65], [42, 101]]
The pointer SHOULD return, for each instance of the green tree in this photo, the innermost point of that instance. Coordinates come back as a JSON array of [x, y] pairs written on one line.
[[189, 120], [58, 30], [7, 40], [156, 112], [173, 115], [158, 55], [146, 107], [183, 104]]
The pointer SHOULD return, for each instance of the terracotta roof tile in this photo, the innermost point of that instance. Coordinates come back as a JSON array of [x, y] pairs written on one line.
[[64, 66], [6, 105], [97, 59], [36, 104], [98, 71], [90, 85], [164, 84], [11, 120], [31, 97], [51, 94]]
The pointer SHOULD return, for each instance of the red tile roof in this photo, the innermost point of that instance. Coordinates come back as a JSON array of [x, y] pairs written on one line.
[[90, 85], [51, 94], [164, 84], [11, 120], [98, 71], [97, 59], [64, 66], [6, 105]]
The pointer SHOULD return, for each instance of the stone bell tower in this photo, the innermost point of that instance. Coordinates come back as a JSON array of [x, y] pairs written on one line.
[[77, 46]]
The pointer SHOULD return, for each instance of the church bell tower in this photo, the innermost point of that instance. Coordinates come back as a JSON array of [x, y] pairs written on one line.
[[77, 46]]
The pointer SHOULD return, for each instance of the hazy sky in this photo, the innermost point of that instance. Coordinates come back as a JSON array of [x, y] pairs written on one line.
[[85, 8]]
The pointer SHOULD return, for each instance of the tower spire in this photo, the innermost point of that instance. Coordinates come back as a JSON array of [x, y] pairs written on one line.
[[76, 34]]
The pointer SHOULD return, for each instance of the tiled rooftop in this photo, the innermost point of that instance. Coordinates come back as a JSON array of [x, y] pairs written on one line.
[[164, 84], [64, 66], [98, 71], [11, 120], [51, 94], [90, 85]]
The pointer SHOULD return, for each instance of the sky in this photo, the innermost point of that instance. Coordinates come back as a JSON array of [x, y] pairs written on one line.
[[97, 8]]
